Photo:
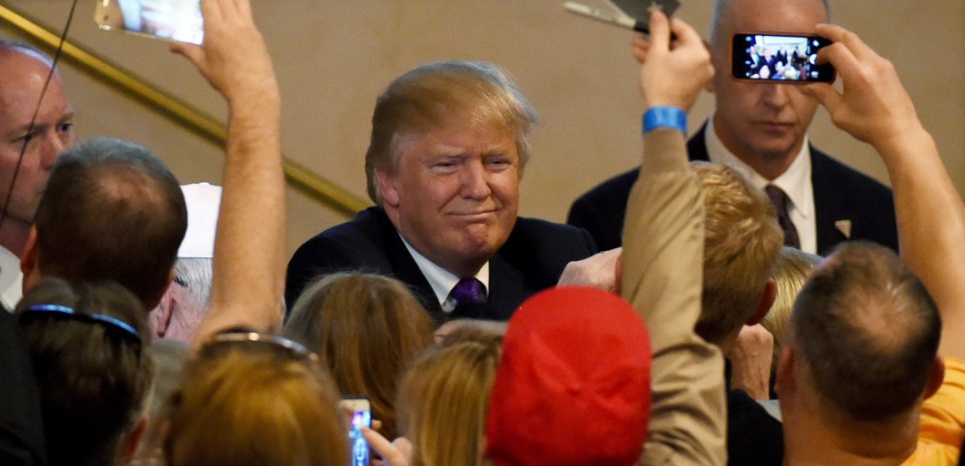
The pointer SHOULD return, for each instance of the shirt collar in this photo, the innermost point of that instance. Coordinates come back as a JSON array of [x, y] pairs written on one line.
[[795, 181], [441, 280]]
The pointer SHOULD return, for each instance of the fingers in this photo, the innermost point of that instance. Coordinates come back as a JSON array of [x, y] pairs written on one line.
[[659, 31], [211, 10], [838, 34], [825, 94], [391, 455], [685, 34], [641, 46]]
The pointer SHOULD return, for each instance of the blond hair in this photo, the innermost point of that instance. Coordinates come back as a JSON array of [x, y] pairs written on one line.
[[741, 243], [443, 402], [254, 405], [790, 272], [434, 95]]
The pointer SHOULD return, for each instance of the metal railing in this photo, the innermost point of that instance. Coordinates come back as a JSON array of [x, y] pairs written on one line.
[[177, 110]]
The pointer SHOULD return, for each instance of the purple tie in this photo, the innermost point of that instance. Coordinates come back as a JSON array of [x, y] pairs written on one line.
[[466, 297], [779, 199]]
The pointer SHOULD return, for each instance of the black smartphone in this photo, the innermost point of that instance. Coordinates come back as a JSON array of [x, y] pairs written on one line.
[[779, 58], [176, 20], [360, 411]]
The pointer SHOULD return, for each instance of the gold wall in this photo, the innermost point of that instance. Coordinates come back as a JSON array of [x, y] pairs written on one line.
[[333, 58]]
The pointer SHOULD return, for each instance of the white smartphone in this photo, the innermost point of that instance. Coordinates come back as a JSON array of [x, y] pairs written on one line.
[[360, 411], [176, 20]]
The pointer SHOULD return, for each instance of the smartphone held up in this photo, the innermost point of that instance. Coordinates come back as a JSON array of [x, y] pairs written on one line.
[[176, 20], [783, 58], [359, 411]]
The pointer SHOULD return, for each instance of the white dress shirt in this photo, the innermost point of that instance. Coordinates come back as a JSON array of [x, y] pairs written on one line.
[[441, 280], [795, 182]]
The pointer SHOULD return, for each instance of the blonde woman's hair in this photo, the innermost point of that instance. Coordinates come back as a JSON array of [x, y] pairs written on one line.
[[366, 329], [443, 402], [254, 404]]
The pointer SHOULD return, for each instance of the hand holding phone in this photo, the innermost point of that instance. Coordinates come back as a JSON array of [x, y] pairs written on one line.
[[779, 58]]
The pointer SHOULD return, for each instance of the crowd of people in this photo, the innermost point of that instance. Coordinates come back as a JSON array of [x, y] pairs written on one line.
[[157, 323]]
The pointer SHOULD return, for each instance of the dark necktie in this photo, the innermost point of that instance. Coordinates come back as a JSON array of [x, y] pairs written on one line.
[[779, 199], [466, 299]]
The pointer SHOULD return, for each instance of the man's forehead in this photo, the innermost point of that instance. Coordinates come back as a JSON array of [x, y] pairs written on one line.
[[773, 16], [22, 79]]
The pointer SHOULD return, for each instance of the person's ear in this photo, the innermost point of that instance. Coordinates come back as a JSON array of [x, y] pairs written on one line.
[[768, 295], [387, 186], [618, 274], [786, 382], [29, 260], [161, 315], [709, 86], [936, 376], [132, 440], [157, 299]]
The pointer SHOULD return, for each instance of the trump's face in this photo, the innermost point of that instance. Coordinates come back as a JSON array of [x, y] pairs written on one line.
[[454, 193]]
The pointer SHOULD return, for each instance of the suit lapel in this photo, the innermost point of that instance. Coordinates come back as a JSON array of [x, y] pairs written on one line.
[[506, 289], [831, 214], [406, 270]]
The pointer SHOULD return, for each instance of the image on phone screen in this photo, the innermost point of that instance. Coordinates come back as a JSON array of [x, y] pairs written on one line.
[[177, 20], [779, 58], [360, 447]]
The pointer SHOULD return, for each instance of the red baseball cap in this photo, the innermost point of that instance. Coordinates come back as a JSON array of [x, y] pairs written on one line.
[[573, 385]]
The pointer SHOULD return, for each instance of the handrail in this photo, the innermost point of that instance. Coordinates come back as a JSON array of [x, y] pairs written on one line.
[[194, 120]]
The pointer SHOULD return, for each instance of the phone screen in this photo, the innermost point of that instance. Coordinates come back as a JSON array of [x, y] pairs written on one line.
[[361, 417], [178, 20], [779, 58]]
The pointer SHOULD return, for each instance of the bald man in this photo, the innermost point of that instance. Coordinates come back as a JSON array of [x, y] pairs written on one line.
[[23, 72]]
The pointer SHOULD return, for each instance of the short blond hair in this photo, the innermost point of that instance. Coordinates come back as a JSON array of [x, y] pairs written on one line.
[[443, 402], [790, 272], [741, 244], [437, 94]]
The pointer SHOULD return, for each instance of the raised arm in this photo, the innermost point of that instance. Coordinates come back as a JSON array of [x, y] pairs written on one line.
[[875, 108], [248, 265], [663, 261]]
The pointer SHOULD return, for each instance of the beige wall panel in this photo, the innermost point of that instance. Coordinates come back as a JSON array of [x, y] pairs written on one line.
[[333, 58]]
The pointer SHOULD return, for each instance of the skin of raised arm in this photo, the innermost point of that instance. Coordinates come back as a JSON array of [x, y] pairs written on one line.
[[663, 262], [875, 108], [248, 264]]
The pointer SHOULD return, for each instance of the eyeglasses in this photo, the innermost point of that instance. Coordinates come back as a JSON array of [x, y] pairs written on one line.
[[57, 311], [286, 346]]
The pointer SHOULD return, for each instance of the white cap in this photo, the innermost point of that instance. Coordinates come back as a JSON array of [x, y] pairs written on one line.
[[203, 201]]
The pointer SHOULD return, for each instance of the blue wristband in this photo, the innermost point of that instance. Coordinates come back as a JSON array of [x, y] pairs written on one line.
[[665, 117]]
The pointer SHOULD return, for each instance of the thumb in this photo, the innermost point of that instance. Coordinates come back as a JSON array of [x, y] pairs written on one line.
[[823, 93], [390, 454], [192, 52], [659, 30]]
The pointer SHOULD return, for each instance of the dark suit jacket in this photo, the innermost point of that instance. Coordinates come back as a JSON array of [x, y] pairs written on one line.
[[531, 260], [840, 193], [21, 424]]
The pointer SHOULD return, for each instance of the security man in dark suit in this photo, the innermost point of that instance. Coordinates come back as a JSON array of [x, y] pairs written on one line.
[[448, 147], [760, 129]]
